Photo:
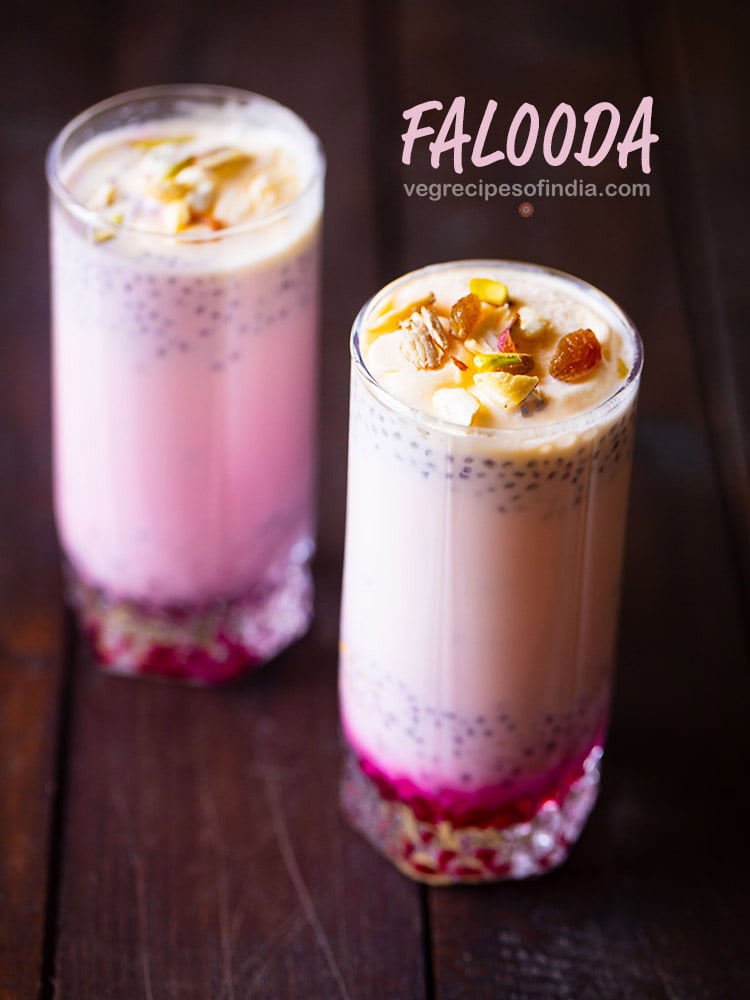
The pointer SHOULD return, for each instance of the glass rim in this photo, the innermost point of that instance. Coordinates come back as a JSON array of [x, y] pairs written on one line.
[[186, 91], [553, 428]]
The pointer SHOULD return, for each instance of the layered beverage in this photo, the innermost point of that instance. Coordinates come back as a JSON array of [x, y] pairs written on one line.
[[491, 428], [184, 243]]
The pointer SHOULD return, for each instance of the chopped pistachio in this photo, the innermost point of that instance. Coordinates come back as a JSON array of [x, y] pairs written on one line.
[[517, 364], [176, 168], [494, 292], [622, 368]]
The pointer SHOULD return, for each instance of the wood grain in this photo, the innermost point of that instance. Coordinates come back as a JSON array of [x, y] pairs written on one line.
[[697, 69], [205, 855], [618, 920], [158, 841], [30, 620]]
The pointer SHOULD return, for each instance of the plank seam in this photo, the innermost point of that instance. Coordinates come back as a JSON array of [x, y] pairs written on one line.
[[55, 846]]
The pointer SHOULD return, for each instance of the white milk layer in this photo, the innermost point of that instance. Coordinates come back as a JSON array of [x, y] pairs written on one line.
[[482, 566]]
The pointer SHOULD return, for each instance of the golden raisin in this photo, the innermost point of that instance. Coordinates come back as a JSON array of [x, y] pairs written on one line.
[[465, 315], [577, 354]]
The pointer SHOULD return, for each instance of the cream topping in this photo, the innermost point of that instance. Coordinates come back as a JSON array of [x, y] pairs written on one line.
[[185, 176], [509, 379]]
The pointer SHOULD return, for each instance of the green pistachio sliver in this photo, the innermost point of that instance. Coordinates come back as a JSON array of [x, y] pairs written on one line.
[[187, 161], [517, 364]]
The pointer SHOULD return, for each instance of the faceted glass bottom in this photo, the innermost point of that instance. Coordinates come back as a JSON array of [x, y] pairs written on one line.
[[210, 644], [438, 853]]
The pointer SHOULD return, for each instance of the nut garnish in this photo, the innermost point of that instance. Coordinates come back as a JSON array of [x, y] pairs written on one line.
[[389, 321], [423, 340], [456, 405], [494, 292], [505, 341], [516, 364], [504, 389]]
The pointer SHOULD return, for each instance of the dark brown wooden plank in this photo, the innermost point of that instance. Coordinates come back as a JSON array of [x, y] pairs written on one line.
[[30, 620], [644, 907], [698, 71], [204, 851]]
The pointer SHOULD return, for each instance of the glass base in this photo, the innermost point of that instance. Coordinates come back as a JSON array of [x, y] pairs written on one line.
[[210, 644], [439, 853]]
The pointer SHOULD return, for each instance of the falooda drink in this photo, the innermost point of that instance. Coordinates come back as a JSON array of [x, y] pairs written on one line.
[[184, 242], [491, 427]]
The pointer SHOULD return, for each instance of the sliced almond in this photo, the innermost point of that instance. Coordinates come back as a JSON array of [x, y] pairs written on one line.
[[389, 321], [436, 328], [423, 340]]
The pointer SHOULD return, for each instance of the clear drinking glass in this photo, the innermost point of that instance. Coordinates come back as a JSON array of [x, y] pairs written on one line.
[[479, 618], [184, 382]]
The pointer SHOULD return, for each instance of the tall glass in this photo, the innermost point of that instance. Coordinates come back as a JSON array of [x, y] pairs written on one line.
[[479, 618], [184, 382]]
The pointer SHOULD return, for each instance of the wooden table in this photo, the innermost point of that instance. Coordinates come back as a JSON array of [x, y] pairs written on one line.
[[158, 841]]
